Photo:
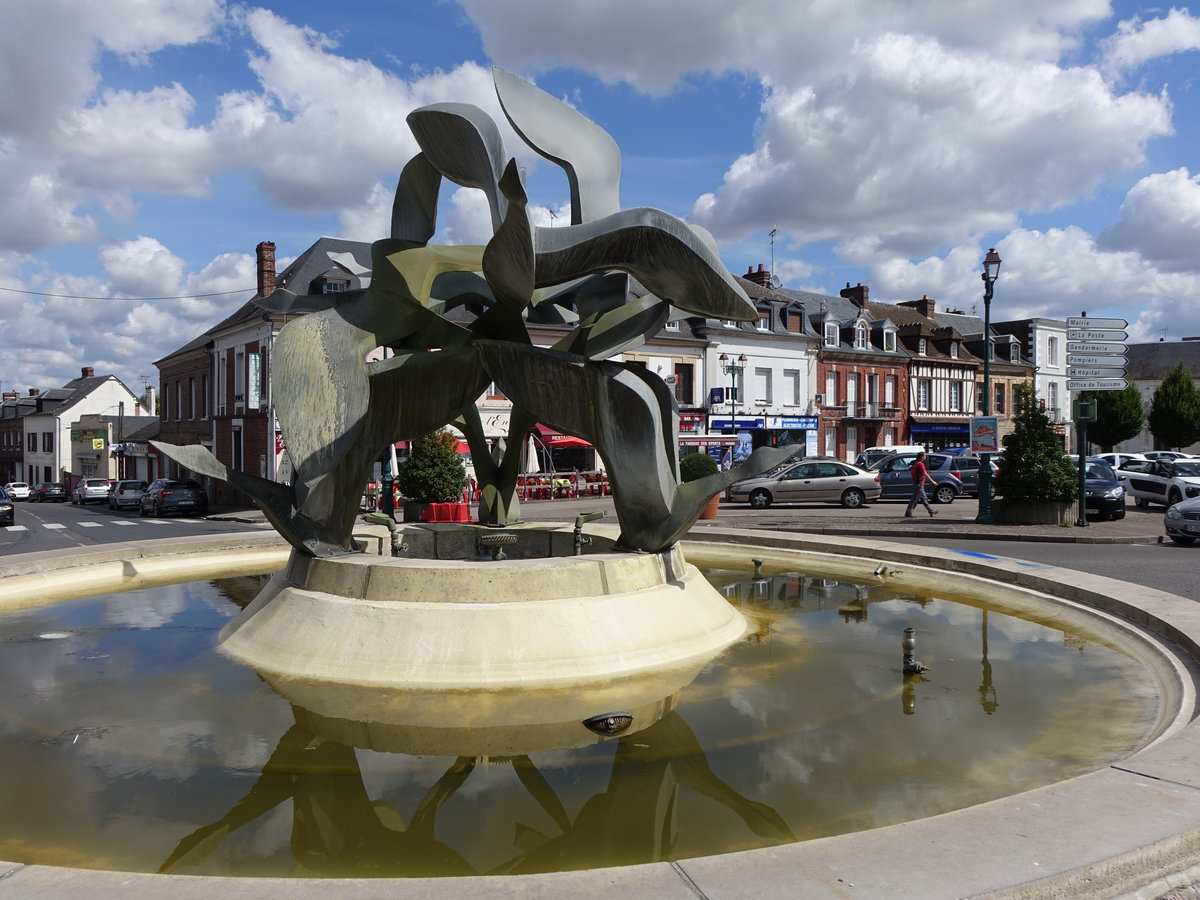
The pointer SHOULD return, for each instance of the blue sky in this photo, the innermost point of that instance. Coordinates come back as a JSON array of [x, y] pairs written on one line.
[[146, 146]]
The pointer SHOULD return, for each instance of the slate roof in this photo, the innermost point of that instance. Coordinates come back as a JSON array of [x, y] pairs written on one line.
[[1150, 362]]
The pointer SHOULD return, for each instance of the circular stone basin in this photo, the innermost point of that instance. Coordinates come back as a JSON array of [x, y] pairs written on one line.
[[142, 748]]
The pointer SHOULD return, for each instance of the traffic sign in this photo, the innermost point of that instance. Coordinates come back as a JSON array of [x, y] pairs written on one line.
[[1095, 371], [1098, 384], [1087, 322], [1092, 334], [1117, 349], [1080, 359]]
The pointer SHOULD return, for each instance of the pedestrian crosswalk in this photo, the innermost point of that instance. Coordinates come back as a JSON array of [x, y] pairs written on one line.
[[120, 523]]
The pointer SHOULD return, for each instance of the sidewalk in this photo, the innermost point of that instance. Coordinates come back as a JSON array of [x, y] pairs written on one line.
[[881, 519]]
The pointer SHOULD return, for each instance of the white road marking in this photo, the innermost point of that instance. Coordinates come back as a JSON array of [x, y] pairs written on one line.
[[16, 528], [54, 526], [90, 524], [122, 522]]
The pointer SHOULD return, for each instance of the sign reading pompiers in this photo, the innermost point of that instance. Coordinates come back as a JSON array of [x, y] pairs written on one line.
[[336, 412]]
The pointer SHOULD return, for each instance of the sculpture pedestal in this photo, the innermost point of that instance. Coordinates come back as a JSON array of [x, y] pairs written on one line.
[[455, 624]]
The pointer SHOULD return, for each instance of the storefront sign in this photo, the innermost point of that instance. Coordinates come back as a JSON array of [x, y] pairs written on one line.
[[716, 423], [798, 423]]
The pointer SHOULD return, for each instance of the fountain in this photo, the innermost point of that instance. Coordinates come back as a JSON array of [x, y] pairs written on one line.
[[488, 623]]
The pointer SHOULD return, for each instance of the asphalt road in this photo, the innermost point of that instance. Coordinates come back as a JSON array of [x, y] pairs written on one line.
[[60, 526]]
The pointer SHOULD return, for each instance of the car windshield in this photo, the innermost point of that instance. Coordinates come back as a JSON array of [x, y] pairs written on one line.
[[1188, 468], [1099, 470]]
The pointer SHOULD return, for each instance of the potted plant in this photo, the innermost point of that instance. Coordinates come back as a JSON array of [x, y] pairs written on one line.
[[432, 479], [695, 466], [1036, 480]]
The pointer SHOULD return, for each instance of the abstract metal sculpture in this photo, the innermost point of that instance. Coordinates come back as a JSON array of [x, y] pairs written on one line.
[[337, 412]]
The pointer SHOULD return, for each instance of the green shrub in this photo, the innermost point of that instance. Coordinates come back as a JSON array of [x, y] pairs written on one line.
[[434, 471], [1034, 466], [695, 466]]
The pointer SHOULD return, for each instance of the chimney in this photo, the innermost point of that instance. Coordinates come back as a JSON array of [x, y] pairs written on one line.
[[266, 268], [858, 295], [762, 276], [151, 408], [33, 392], [86, 371], [10, 395], [924, 306]]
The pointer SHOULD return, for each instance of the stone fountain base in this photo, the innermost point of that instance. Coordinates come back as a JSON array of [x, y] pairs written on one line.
[[468, 623]]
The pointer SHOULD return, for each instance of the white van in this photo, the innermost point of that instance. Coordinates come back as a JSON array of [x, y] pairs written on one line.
[[872, 455]]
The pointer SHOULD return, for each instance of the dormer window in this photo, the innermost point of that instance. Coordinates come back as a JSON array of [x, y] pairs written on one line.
[[673, 326], [1014, 352], [831, 334], [860, 336], [764, 320], [889, 341], [921, 347], [954, 349], [332, 285]]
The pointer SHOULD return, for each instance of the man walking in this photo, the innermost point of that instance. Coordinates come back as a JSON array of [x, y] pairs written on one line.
[[920, 475]]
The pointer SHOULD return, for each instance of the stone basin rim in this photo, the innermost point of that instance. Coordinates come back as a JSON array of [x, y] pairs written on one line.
[[1128, 829]]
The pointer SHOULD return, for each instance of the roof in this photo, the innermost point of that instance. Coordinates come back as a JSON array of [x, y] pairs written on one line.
[[1151, 362]]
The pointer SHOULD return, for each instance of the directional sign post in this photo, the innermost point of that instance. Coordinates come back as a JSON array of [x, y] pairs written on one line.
[[1097, 384]]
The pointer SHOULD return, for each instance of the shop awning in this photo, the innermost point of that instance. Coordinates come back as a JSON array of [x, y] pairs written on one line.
[[551, 438]]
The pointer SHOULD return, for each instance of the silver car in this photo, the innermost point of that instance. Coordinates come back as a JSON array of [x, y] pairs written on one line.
[[91, 489], [810, 480], [126, 493]]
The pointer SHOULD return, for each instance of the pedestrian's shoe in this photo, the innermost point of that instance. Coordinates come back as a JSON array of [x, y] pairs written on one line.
[[908, 515], [932, 513]]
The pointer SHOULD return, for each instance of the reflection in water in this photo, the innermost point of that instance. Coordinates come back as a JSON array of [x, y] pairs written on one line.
[[141, 747], [337, 830]]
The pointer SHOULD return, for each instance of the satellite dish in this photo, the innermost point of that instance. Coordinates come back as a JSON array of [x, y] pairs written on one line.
[[776, 282]]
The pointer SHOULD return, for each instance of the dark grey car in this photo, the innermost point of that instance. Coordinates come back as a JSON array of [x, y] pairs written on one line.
[[895, 477], [170, 495]]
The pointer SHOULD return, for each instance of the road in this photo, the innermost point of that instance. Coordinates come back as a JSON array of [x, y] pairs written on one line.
[[62, 526]]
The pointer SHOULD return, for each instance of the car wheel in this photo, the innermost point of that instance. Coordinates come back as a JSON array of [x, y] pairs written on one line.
[[1179, 539], [1119, 514], [142, 510], [760, 499], [944, 494], [155, 513], [853, 498], [1141, 502], [1173, 497]]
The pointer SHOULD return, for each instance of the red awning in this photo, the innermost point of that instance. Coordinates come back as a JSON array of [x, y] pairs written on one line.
[[552, 438]]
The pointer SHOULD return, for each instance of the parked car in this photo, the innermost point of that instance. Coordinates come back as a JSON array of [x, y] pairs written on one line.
[[969, 468], [872, 455], [895, 476], [1182, 521], [91, 490], [1164, 454], [47, 491], [1164, 481], [1116, 460], [811, 480], [167, 495], [17, 490], [126, 493], [8, 512], [1104, 494]]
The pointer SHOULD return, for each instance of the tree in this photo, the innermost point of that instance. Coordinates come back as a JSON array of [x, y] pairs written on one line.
[[1119, 417], [1175, 410], [434, 471], [1034, 466]]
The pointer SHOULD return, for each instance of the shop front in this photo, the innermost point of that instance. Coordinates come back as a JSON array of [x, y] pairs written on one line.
[[943, 435]]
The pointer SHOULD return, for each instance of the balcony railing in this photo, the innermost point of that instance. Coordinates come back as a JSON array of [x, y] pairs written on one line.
[[855, 410]]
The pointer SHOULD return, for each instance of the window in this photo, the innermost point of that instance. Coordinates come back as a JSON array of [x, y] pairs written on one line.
[[178, 399], [889, 341], [205, 399], [191, 398], [764, 320], [831, 390], [684, 383], [830, 441], [955, 396], [762, 386], [851, 389], [333, 286], [954, 349], [239, 377], [980, 399], [831, 334], [1052, 352], [889, 391], [1014, 352], [1053, 400], [998, 408], [791, 387], [254, 380], [47, 441], [860, 336], [851, 442], [31, 443], [923, 390], [921, 346], [672, 326]]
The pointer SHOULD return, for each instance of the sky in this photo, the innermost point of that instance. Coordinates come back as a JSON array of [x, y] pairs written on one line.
[[147, 146]]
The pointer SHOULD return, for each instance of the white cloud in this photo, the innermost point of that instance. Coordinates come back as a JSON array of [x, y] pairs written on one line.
[[1160, 219], [1137, 42], [142, 268]]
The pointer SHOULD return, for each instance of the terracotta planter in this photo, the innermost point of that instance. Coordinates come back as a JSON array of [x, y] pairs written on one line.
[[710, 508], [1035, 512]]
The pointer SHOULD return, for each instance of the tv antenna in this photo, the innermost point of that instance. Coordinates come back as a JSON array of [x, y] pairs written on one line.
[[772, 234]]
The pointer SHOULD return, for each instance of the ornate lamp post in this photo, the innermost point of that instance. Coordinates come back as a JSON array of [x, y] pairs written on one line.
[[733, 368], [991, 270]]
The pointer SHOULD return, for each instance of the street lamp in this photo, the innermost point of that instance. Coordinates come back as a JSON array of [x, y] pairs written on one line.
[[991, 271], [733, 368]]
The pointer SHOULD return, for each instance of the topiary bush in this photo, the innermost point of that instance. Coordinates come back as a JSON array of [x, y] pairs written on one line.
[[434, 471], [1034, 466], [695, 466]]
